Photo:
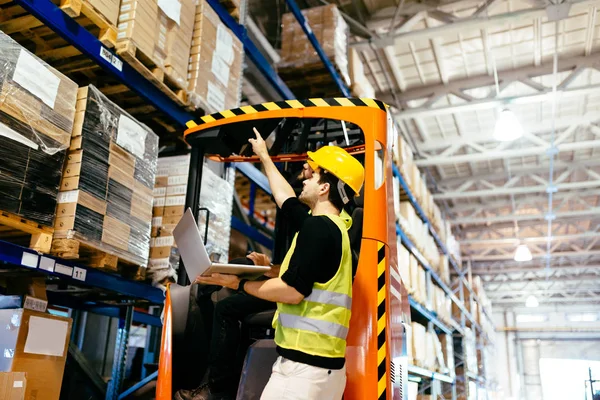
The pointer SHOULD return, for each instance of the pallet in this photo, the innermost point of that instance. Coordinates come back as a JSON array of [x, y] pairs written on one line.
[[19, 230], [78, 8], [144, 64], [311, 80], [15, 19], [233, 8], [91, 255]]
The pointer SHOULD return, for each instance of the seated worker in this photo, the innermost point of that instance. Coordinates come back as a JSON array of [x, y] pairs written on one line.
[[223, 366], [314, 288]]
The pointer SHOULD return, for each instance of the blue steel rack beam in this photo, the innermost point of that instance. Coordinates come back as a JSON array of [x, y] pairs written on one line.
[[252, 51], [74, 273], [53, 17], [418, 307], [412, 199], [317, 46]]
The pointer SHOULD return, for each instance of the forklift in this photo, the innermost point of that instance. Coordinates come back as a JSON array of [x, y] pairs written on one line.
[[376, 360]]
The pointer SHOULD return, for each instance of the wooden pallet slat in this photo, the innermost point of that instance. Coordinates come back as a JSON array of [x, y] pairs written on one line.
[[129, 52], [14, 226]]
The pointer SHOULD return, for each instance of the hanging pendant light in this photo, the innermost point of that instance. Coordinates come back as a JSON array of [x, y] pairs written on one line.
[[507, 127], [532, 301], [523, 253]]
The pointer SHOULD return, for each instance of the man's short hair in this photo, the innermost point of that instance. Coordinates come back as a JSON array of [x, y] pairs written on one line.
[[334, 195]]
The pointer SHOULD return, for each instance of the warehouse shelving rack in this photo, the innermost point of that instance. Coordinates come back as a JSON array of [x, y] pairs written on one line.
[[73, 273]]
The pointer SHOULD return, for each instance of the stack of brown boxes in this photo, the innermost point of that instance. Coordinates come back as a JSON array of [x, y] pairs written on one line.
[[169, 201], [106, 190], [359, 84], [36, 344], [331, 31], [161, 31], [108, 8], [215, 67], [37, 108]]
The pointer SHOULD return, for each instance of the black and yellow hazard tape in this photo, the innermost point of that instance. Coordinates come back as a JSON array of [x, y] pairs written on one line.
[[381, 324], [282, 105]]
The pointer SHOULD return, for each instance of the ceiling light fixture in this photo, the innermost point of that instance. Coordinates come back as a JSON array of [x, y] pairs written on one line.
[[523, 253], [532, 301], [507, 127]]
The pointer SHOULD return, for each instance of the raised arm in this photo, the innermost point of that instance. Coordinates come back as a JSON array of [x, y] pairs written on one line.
[[281, 189]]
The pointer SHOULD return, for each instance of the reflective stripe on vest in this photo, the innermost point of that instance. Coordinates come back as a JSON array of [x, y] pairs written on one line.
[[327, 297], [313, 325]]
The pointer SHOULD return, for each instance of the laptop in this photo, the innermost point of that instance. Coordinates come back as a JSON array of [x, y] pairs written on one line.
[[195, 257]]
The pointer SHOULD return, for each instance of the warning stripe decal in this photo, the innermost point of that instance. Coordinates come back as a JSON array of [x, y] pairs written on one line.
[[280, 105], [381, 324]]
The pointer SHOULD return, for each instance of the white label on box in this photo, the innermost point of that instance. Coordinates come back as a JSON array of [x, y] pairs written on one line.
[[152, 242], [123, 16], [215, 97], [180, 170], [162, 171], [172, 8], [131, 136], [159, 191], [176, 190], [68, 197], [105, 53], [121, 35], [33, 76], [47, 264], [163, 241], [79, 273], [157, 221], [159, 263], [178, 180], [175, 201], [126, 7], [224, 47], [46, 336], [29, 260], [6, 132], [63, 269], [220, 69], [17, 384], [31, 303], [158, 202]]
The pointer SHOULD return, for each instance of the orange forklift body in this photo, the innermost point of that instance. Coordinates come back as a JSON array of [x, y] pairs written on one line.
[[376, 367]]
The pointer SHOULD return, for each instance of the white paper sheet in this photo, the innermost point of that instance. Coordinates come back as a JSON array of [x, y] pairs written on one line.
[[33, 76], [46, 336], [172, 8], [224, 47], [6, 132], [220, 69], [131, 136]]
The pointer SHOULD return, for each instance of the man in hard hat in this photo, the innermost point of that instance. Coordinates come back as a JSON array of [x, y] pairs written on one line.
[[314, 288]]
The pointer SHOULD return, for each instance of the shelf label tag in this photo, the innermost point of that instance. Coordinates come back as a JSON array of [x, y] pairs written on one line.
[[79, 274], [63, 269], [29, 260], [106, 54], [117, 63], [47, 264]]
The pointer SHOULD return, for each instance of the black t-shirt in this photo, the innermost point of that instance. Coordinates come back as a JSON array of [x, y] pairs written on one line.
[[316, 258]]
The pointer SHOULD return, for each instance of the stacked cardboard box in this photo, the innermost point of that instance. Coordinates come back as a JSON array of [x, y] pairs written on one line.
[[161, 30], [418, 232], [108, 8], [330, 29], [36, 344], [106, 189], [37, 108], [419, 344], [441, 304], [169, 193], [170, 189], [359, 84], [443, 269], [215, 64], [469, 343]]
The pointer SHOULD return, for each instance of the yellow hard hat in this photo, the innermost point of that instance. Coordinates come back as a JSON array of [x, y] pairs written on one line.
[[341, 164]]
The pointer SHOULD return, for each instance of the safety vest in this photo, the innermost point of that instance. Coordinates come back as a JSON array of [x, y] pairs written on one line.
[[319, 324]]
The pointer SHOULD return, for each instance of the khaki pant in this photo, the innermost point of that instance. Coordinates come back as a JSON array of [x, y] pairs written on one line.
[[292, 380]]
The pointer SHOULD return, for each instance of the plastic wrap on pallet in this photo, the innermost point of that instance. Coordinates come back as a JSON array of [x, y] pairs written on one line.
[[215, 65], [161, 31], [106, 189], [331, 31], [217, 196], [37, 109]]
